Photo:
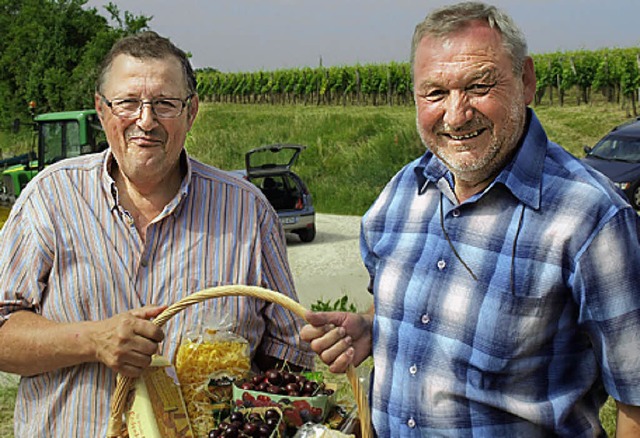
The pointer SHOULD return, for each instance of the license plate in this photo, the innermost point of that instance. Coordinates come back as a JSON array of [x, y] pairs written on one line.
[[288, 220]]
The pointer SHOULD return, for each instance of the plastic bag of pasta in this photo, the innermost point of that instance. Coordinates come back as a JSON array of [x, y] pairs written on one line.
[[209, 359]]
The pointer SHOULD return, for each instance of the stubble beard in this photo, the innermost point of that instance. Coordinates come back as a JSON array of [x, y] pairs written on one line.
[[499, 151]]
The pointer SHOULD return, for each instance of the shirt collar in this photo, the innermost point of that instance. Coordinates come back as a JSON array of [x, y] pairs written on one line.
[[175, 205], [108, 184], [522, 176]]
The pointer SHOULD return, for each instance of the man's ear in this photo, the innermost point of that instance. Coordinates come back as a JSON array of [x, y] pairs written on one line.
[[528, 80], [97, 103], [193, 109]]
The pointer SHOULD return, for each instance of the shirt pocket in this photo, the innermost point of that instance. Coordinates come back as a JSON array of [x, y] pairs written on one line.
[[513, 340]]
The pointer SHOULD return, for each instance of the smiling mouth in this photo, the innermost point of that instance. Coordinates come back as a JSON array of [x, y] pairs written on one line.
[[467, 136], [144, 141]]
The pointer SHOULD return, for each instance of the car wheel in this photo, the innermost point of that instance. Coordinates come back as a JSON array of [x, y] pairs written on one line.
[[307, 234]]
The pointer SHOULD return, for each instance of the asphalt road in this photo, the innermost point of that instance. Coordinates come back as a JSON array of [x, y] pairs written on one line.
[[330, 267]]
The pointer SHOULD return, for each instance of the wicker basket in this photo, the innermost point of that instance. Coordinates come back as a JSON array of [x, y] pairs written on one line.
[[123, 384]]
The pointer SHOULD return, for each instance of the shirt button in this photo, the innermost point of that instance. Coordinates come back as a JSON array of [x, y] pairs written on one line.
[[425, 319], [411, 423], [441, 264], [413, 369], [456, 213]]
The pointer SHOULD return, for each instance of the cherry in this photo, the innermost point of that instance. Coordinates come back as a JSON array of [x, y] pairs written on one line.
[[250, 429], [292, 387], [288, 377], [309, 387], [274, 377], [300, 378], [236, 416], [248, 386], [264, 431], [231, 431], [273, 389], [271, 413]]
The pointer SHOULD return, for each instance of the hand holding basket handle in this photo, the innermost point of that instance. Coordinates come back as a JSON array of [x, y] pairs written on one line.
[[123, 384]]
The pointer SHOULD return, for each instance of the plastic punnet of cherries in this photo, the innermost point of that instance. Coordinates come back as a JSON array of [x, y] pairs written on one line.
[[251, 424], [300, 397]]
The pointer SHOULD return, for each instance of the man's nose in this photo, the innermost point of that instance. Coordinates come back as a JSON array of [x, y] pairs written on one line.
[[147, 118], [458, 109]]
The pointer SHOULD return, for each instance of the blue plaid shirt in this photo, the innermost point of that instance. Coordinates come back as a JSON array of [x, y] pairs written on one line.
[[530, 336]]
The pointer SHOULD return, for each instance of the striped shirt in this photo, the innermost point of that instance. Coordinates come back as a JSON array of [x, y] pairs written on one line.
[[71, 253], [548, 326]]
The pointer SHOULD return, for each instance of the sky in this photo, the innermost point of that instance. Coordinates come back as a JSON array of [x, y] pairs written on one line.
[[252, 35]]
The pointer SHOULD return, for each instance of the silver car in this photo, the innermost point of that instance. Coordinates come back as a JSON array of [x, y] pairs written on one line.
[[269, 168]]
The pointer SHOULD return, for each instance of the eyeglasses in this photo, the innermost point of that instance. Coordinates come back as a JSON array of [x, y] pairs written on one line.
[[163, 108]]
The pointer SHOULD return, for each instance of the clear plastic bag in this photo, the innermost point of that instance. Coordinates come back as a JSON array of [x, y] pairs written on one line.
[[312, 430], [209, 359]]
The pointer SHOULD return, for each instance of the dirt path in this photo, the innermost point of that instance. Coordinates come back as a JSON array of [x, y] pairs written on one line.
[[330, 266]]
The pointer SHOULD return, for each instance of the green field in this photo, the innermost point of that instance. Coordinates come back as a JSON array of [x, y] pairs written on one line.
[[4, 212], [351, 154]]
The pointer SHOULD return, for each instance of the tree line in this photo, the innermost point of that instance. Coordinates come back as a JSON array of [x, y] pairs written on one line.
[[50, 51]]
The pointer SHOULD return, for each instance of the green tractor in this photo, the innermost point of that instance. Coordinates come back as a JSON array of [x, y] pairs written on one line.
[[60, 135]]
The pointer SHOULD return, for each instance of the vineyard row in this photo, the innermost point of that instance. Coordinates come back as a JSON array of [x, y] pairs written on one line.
[[613, 72]]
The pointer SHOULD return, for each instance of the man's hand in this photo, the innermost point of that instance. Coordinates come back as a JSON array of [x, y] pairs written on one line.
[[32, 344], [628, 421], [126, 342], [339, 338]]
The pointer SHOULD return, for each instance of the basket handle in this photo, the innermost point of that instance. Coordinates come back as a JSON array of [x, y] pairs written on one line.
[[123, 384]]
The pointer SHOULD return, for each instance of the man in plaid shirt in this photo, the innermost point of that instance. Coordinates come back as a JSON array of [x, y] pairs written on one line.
[[503, 270]]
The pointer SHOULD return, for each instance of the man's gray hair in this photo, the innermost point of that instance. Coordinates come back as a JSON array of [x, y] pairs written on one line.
[[449, 19], [147, 45]]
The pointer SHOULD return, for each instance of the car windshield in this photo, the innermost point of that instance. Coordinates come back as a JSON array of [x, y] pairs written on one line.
[[619, 149]]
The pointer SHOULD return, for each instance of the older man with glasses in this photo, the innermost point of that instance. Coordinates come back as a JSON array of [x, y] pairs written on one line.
[[97, 245]]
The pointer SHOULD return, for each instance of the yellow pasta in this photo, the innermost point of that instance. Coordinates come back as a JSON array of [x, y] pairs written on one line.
[[197, 363]]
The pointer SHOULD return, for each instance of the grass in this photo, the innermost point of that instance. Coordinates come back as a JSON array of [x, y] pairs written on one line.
[[4, 212], [352, 152], [608, 417], [7, 401]]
